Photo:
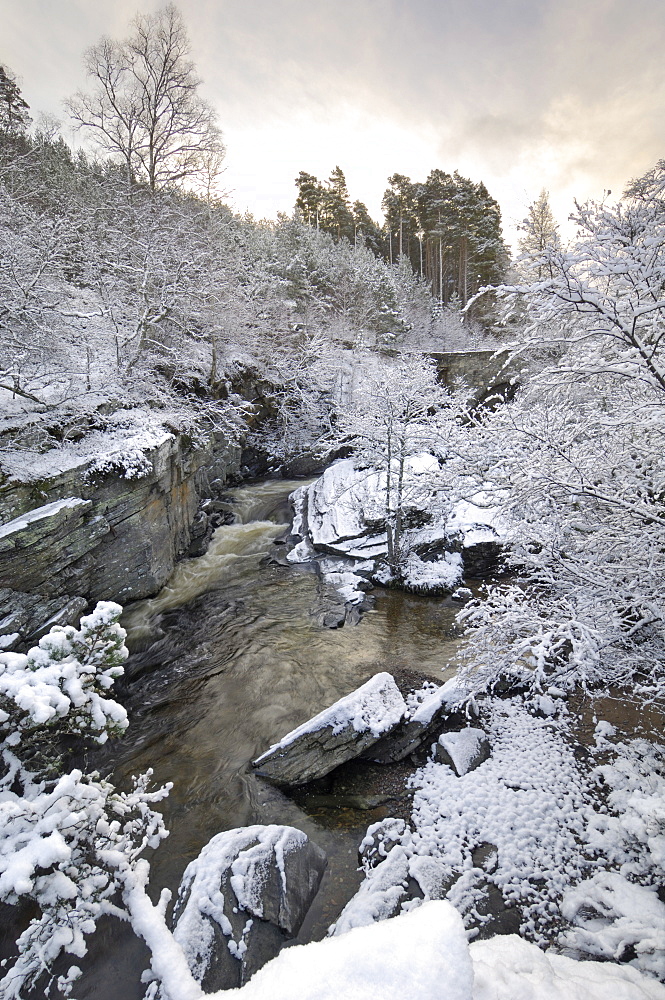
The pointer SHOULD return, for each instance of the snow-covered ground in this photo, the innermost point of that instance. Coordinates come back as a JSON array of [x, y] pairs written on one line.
[[424, 955]]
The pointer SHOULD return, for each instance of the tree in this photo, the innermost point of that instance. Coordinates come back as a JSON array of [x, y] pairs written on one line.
[[400, 210], [540, 241], [145, 108], [577, 459], [70, 843], [14, 110], [398, 416], [310, 198]]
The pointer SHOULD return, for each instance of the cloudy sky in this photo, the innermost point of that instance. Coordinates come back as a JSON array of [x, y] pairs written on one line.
[[568, 95]]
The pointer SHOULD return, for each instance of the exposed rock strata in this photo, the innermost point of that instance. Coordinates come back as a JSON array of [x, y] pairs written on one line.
[[93, 534]]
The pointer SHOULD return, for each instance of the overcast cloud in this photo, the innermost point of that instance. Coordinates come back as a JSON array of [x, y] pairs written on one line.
[[521, 94]]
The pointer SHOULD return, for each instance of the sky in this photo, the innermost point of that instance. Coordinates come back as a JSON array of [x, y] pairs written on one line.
[[566, 95]]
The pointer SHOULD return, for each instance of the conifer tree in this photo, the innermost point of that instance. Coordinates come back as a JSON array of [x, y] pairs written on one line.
[[540, 240], [14, 110]]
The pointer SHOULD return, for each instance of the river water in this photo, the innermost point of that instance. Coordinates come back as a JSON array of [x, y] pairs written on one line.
[[227, 659]]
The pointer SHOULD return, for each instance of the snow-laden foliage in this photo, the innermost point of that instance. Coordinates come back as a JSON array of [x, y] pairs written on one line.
[[64, 681], [70, 843], [578, 459], [397, 427]]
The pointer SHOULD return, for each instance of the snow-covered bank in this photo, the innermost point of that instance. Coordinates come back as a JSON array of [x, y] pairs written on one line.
[[340, 522], [424, 955]]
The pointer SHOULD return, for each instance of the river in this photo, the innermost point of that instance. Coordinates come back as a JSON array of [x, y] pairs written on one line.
[[227, 659]]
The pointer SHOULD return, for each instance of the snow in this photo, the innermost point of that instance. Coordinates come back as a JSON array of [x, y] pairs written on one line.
[[410, 957], [120, 447], [377, 706], [509, 968], [528, 800], [344, 511], [424, 955], [40, 513], [613, 916], [449, 694]]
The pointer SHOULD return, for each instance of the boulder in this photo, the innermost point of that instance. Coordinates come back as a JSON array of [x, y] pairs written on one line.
[[399, 879], [245, 895], [434, 711], [336, 735], [463, 751]]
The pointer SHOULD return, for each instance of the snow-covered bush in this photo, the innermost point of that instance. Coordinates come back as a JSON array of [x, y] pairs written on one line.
[[69, 842]]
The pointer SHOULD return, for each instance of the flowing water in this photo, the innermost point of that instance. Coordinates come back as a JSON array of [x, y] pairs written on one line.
[[227, 659]]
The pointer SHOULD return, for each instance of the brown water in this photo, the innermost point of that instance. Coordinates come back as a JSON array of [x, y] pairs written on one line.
[[235, 661]]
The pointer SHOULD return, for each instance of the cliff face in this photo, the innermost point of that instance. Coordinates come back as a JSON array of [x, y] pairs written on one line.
[[101, 536]]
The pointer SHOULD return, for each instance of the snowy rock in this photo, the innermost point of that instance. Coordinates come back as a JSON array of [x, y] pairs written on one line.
[[336, 735], [431, 714], [245, 895], [506, 968], [343, 515], [464, 751], [616, 920], [395, 884], [39, 546], [461, 594], [421, 955]]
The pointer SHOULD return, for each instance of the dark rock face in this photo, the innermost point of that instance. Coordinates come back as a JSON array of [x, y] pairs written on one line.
[[336, 735], [49, 543], [25, 618], [106, 537], [242, 899]]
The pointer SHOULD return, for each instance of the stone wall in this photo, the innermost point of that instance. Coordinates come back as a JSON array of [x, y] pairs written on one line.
[[485, 372]]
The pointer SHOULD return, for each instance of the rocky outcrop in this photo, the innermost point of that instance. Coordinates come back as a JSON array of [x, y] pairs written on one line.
[[25, 618], [336, 735], [104, 530], [242, 899], [339, 524]]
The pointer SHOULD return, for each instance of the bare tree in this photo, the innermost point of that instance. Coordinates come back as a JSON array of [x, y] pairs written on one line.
[[144, 106]]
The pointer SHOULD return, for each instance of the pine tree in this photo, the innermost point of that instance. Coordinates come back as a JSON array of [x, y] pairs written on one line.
[[540, 240], [337, 215], [14, 116], [400, 208], [310, 198]]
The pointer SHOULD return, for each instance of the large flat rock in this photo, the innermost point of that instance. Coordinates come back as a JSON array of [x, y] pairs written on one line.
[[339, 733]]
